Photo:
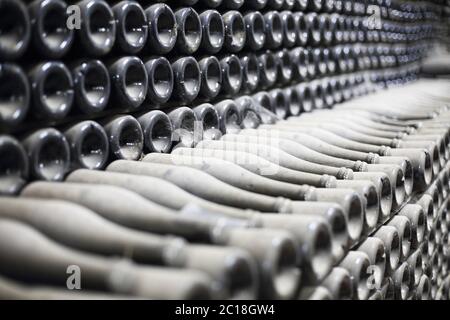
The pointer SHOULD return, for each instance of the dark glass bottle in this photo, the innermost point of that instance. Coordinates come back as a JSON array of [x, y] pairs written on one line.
[[50, 35], [187, 79], [48, 154], [129, 82], [89, 145], [14, 95], [92, 86], [14, 168], [15, 29], [132, 27], [98, 27], [52, 90]]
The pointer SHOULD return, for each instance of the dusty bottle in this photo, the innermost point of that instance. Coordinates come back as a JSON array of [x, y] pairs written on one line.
[[262, 146], [266, 116], [157, 131], [194, 224], [129, 82], [261, 166], [392, 245], [234, 29], [415, 266], [231, 74], [295, 101], [402, 282], [273, 29], [97, 34], [403, 226], [253, 182], [349, 200], [92, 86], [231, 197], [268, 68], [162, 220], [213, 31], [99, 272], [15, 93], [314, 57], [185, 130], [14, 168], [341, 156], [89, 145], [327, 29], [157, 190], [146, 248], [284, 66], [15, 28], [394, 171], [210, 121], [420, 160], [328, 89], [375, 250], [125, 137], [189, 34], [417, 218], [249, 115], [162, 28], [154, 190], [250, 72], [315, 34], [263, 100], [255, 30], [279, 103], [131, 27], [234, 175], [304, 91], [211, 77], [350, 133], [317, 94], [300, 151], [290, 30], [13, 290], [229, 116], [428, 202], [48, 154], [160, 80], [187, 79], [339, 283], [357, 263], [50, 35], [228, 195], [339, 22], [299, 62], [52, 90], [302, 27], [423, 290]]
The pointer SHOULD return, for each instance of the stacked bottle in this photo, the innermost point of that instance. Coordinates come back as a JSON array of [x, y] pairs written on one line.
[[238, 92]]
